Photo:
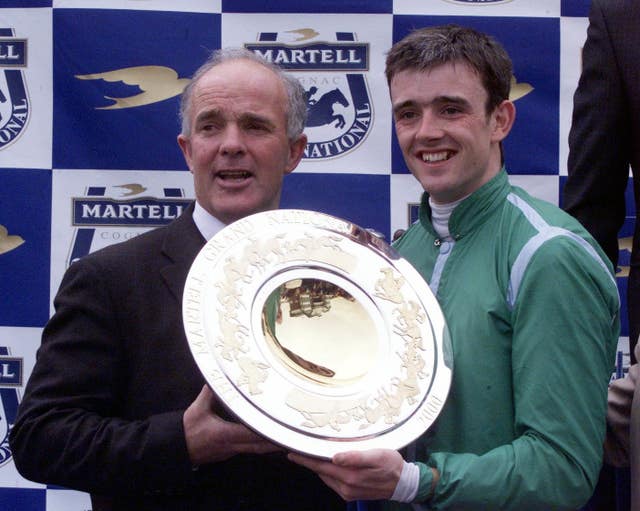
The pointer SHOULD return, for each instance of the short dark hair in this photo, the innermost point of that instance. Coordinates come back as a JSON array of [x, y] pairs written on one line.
[[296, 98], [426, 48]]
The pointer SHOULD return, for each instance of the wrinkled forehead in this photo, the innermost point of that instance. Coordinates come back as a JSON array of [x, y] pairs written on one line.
[[242, 75], [241, 85]]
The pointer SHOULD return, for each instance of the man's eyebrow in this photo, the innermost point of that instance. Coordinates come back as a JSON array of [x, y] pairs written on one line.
[[456, 100], [208, 114], [439, 100], [404, 104], [253, 118], [249, 116]]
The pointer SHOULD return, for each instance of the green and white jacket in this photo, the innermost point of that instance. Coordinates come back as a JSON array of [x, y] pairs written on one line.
[[533, 311]]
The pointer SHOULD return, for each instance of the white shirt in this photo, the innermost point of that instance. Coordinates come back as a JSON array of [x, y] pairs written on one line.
[[207, 224]]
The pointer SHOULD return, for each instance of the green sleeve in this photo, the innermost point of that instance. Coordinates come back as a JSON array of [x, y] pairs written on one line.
[[426, 480], [565, 326]]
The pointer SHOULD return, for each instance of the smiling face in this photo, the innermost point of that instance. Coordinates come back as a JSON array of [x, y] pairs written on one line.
[[238, 149], [449, 142]]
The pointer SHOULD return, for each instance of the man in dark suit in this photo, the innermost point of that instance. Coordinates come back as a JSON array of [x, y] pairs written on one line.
[[116, 405], [603, 142], [605, 135]]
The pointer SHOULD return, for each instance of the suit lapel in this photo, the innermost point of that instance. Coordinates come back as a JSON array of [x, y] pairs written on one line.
[[181, 245]]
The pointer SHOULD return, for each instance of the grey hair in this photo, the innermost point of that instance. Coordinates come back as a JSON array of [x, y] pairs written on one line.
[[296, 113]]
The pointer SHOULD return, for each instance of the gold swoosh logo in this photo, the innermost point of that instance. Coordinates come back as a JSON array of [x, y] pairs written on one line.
[[157, 83], [624, 244], [132, 189], [304, 34], [518, 90], [8, 242]]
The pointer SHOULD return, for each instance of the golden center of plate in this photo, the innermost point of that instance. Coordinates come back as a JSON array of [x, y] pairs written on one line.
[[320, 332]]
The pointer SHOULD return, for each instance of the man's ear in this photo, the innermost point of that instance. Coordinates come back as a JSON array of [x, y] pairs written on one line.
[[296, 151], [503, 118], [185, 145]]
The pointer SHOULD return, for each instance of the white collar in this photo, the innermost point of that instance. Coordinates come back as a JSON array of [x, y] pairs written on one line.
[[440, 214], [207, 224]]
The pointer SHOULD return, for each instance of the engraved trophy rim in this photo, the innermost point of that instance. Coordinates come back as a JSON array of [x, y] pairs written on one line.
[[388, 386]]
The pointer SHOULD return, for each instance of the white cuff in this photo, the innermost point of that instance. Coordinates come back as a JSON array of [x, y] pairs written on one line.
[[407, 487]]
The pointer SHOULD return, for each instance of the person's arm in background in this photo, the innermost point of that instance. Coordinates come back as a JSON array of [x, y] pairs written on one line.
[[619, 400], [599, 140]]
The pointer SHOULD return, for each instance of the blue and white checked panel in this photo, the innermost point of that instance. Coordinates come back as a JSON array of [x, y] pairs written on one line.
[[88, 123]]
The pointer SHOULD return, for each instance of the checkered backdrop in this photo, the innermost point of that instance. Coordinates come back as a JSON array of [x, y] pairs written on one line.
[[88, 123]]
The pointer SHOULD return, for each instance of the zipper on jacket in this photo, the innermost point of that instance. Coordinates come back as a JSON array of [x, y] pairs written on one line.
[[444, 248]]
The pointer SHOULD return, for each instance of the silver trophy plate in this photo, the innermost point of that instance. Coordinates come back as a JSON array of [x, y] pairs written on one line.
[[316, 333]]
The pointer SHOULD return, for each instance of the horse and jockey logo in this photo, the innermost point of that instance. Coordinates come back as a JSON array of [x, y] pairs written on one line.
[[333, 75], [322, 112], [14, 103]]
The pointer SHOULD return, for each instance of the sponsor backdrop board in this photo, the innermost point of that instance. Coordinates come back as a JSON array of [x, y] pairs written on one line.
[[88, 123]]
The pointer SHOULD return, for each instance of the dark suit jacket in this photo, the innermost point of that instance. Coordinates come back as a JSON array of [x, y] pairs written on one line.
[[605, 134], [102, 411], [604, 140]]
